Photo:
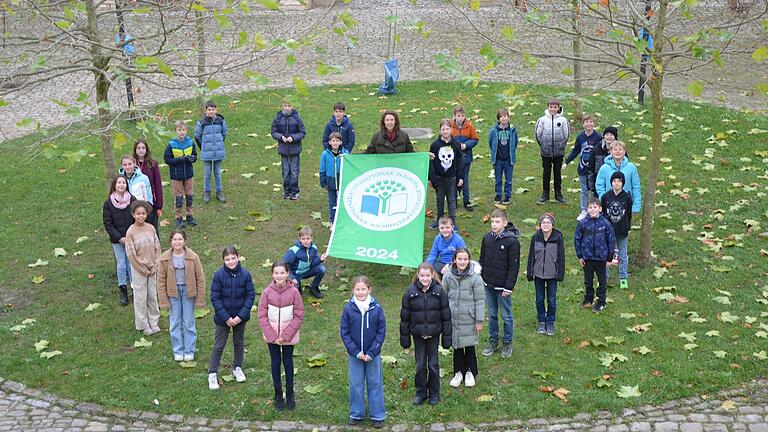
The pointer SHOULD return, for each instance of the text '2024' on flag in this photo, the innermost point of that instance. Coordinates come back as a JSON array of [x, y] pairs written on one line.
[[380, 212]]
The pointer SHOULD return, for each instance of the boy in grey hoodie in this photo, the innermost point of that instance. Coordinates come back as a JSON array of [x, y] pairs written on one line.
[[552, 135]]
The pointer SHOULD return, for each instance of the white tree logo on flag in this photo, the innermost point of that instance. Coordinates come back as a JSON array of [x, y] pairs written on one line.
[[384, 199]]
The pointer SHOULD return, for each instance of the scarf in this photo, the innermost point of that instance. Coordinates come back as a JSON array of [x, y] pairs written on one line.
[[460, 273], [363, 305], [120, 201], [390, 135]]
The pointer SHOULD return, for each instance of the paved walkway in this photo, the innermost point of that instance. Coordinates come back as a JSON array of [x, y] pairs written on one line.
[[25, 409]]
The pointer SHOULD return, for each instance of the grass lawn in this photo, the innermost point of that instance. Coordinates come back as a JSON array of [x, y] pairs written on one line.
[[709, 334]]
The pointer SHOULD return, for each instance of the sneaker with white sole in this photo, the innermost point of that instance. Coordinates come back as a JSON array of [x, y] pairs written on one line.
[[189, 357], [469, 380], [239, 375], [581, 215], [213, 381], [178, 357], [456, 381]]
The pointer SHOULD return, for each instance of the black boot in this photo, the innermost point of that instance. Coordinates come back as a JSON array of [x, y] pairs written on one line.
[[315, 292], [279, 402], [290, 402], [123, 295]]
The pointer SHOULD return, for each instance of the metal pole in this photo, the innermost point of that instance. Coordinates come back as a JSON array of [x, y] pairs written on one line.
[[121, 33]]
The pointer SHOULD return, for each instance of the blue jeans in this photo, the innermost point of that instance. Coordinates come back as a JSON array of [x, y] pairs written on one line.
[[584, 193], [494, 299], [209, 166], [506, 169], [622, 243], [362, 374], [333, 197], [465, 187], [317, 272], [123, 266], [290, 166], [548, 288], [182, 326]]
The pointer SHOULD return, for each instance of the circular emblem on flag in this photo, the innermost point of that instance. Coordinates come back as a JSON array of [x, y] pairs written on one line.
[[384, 199]]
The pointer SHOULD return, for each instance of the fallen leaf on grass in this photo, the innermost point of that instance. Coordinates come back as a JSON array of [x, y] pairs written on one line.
[[202, 312], [726, 317], [317, 360], [165, 223], [314, 388], [561, 393], [690, 346], [92, 307], [38, 279], [41, 345], [316, 215], [614, 340], [18, 328], [247, 175], [59, 252], [541, 374], [50, 354], [188, 364], [728, 405], [38, 263], [227, 378], [712, 333], [642, 350], [720, 354], [249, 228], [690, 337], [142, 343], [81, 239], [628, 392], [485, 398], [388, 359], [640, 328], [443, 352], [760, 355]]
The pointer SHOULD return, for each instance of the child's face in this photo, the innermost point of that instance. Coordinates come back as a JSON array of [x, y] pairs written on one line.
[[546, 226], [287, 109], [618, 152], [141, 150], [446, 229], [177, 242], [617, 185], [445, 131], [128, 165], [553, 108], [589, 125], [335, 143], [121, 185], [389, 121], [498, 224], [504, 119], [181, 132], [305, 240], [140, 215], [460, 117], [338, 115], [425, 277], [211, 111], [593, 210], [231, 261], [279, 274], [462, 260], [609, 138], [361, 291]]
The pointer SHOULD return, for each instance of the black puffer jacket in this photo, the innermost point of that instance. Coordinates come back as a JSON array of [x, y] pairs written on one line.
[[425, 314], [116, 221], [500, 258]]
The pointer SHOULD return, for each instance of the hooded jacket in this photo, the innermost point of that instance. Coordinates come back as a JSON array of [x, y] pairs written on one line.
[[346, 130], [465, 134], [179, 156], [583, 146], [330, 168], [493, 142], [193, 273], [116, 221], [232, 294], [450, 151], [594, 239], [425, 314], [618, 210], [300, 259], [363, 333], [210, 134], [546, 258], [139, 185], [552, 134], [443, 248], [280, 313], [288, 126], [466, 298], [631, 185], [500, 258]]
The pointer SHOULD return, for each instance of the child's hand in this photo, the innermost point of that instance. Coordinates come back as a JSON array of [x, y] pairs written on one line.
[[279, 341], [295, 282], [478, 327], [582, 262], [159, 213], [285, 139], [367, 358], [564, 165], [231, 322], [506, 294], [324, 257], [122, 240], [431, 156], [237, 320], [463, 146], [289, 139], [460, 183]]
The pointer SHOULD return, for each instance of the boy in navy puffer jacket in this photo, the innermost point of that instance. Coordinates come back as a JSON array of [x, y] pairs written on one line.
[[340, 123], [595, 244], [210, 133], [288, 130], [179, 155]]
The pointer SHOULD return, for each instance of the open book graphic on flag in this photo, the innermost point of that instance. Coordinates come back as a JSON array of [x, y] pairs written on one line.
[[375, 205]]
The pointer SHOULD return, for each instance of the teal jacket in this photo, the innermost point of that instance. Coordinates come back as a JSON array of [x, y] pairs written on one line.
[[493, 142]]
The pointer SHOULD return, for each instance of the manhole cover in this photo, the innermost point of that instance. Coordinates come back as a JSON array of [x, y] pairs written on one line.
[[418, 133]]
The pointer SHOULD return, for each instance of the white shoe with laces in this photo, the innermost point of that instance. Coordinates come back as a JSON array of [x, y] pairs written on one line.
[[189, 357], [239, 375], [213, 381], [469, 380], [456, 381], [178, 357]]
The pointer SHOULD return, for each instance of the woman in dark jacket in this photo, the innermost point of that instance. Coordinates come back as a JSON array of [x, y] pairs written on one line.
[[546, 267], [425, 315], [117, 218], [389, 138]]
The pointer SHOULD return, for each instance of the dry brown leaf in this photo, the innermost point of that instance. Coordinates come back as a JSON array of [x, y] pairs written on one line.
[[546, 389], [584, 344], [605, 3], [668, 264], [486, 217], [403, 384], [632, 297], [657, 373], [165, 223], [728, 405], [567, 340], [735, 366], [561, 393], [429, 214], [661, 183]]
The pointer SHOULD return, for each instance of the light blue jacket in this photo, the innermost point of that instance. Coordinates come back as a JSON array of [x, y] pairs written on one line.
[[139, 186], [631, 185], [210, 134]]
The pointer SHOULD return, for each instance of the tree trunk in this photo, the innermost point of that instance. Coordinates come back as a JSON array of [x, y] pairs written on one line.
[[105, 135], [200, 44], [656, 85], [578, 114]]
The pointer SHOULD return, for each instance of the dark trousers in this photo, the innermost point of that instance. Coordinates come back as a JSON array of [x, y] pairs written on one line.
[[465, 359], [333, 197], [220, 341], [290, 169], [153, 220], [445, 190], [281, 354], [465, 187], [546, 288], [427, 366], [551, 164], [590, 268]]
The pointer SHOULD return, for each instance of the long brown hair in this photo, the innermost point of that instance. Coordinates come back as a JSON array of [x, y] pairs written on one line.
[[397, 121], [148, 159]]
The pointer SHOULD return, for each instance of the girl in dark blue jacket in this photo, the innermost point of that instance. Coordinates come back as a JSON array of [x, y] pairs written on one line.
[[363, 327], [232, 295]]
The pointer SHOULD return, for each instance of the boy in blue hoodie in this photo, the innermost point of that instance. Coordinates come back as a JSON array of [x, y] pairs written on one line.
[[585, 142], [502, 138], [330, 171], [288, 130], [444, 246], [210, 133], [304, 262], [340, 123], [179, 155], [595, 245]]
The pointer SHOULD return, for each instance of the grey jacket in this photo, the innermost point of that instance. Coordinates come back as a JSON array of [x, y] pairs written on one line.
[[466, 297], [552, 134], [546, 258]]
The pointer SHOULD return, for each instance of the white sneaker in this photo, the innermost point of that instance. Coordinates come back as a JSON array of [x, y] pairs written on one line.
[[456, 381], [469, 380], [238, 374], [213, 381], [581, 215], [178, 357], [189, 357]]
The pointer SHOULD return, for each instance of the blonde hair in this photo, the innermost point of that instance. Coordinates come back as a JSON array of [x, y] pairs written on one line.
[[305, 230], [180, 123], [618, 143]]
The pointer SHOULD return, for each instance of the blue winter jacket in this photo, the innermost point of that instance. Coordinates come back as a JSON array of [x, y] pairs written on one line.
[[179, 156], [232, 294], [288, 125], [346, 130], [444, 248], [210, 134], [583, 146], [301, 259], [330, 168], [594, 239], [493, 141], [139, 185], [363, 334], [631, 183]]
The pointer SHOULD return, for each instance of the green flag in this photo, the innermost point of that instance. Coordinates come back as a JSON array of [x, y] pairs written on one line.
[[380, 213]]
